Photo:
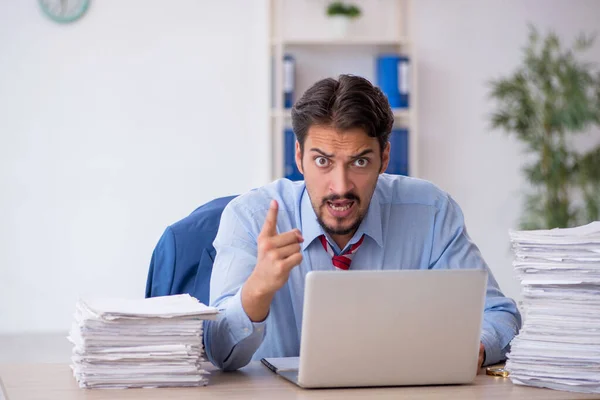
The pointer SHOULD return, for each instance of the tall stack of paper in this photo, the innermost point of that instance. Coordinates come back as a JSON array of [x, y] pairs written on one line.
[[559, 344], [155, 342]]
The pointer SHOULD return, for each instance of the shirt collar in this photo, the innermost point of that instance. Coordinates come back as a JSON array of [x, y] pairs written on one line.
[[371, 225]]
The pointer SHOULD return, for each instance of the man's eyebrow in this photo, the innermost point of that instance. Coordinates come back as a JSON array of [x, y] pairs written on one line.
[[362, 154], [359, 155], [321, 152]]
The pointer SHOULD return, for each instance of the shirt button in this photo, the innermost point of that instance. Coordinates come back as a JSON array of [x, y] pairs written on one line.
[[246, 330]]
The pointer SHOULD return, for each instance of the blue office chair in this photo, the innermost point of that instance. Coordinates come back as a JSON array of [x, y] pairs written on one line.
[[183, 258]]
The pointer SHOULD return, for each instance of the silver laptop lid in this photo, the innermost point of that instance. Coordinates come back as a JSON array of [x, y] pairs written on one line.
[[387, 328]]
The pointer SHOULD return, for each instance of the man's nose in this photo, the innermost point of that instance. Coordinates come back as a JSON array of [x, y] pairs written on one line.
[[341, 182]]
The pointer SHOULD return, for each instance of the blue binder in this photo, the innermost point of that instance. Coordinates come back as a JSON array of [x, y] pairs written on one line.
[[393, 79], [290, 169], [399, 152], [289, 80]]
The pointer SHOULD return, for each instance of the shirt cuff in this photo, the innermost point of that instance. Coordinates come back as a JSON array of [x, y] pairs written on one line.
[[240, 325], [493, 352]]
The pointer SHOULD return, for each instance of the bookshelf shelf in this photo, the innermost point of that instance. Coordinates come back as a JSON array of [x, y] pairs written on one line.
[[300, 29]]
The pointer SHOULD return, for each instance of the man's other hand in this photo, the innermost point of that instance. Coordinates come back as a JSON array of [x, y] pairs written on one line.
[[481, 356]]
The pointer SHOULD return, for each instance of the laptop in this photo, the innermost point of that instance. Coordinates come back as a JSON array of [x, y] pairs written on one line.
[[388, 328]]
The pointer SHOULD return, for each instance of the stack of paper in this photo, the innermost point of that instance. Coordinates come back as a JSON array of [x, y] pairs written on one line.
[[155, 342], [559, 344]]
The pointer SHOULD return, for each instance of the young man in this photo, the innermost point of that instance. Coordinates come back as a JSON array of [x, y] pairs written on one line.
[[271, 237]]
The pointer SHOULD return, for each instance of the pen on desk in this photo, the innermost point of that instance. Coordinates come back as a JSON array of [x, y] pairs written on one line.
[[269, 365]]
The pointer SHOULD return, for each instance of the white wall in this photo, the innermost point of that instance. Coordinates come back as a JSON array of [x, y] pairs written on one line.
[[461, 45], [113, 127], [110, 129]]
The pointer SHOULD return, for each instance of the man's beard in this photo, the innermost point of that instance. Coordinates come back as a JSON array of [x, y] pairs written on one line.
[[333, 231], [336, 231]]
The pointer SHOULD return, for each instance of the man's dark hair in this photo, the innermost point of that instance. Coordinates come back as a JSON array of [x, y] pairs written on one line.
[[346, 103]]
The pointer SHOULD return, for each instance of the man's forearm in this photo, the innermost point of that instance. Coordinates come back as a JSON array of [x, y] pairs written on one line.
[[255, 304], [498, 329], [232, 339]]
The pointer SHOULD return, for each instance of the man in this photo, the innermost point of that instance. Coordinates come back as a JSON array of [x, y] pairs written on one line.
[[271, 237]]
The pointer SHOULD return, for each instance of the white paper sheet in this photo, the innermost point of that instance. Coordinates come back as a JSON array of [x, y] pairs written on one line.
[[558, 346], [156, 342]]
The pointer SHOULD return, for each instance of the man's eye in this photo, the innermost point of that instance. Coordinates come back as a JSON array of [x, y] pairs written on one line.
[[321, 161], [361, 162]]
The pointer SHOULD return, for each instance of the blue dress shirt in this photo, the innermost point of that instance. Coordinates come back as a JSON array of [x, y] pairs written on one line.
[[410, 224]]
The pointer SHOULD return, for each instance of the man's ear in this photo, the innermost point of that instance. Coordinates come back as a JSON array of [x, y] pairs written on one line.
[[299, 157], [385, 157]]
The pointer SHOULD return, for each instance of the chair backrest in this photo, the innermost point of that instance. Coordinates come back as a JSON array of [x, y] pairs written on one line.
[[183, 257]]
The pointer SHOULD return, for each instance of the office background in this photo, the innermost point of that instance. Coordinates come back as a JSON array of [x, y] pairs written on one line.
[[122, 123]]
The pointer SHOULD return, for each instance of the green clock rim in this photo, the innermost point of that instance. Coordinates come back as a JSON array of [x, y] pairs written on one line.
[[74, 17]]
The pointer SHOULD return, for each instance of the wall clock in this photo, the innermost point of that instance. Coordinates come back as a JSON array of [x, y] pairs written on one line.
[[64, 11]]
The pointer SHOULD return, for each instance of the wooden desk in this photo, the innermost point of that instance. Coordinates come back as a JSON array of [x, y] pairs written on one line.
[[55, 381]]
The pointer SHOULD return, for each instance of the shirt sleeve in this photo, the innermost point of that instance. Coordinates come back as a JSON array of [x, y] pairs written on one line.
[[232, 339], [452, 249]]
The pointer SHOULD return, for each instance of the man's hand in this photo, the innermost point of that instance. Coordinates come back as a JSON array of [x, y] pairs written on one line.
[[481, 356], [277, 256]]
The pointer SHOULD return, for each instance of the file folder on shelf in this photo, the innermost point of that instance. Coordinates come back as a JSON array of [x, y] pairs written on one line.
[[399, 152], [291, 171], [393, 79]]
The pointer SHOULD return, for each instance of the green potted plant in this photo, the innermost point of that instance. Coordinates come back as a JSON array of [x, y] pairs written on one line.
[[551, 97], [341, 14]]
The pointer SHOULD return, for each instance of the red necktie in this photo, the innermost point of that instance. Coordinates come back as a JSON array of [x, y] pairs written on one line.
[[343, 260]]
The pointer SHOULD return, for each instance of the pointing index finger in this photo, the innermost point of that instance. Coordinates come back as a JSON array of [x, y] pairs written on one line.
[[270, 226]]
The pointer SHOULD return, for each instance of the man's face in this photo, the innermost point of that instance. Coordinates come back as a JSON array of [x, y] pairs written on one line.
[[340, 171]]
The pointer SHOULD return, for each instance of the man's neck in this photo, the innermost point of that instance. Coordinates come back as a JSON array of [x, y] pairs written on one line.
[[342, 240]]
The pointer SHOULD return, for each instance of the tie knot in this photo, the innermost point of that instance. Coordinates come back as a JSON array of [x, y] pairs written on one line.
[[343, 260]]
